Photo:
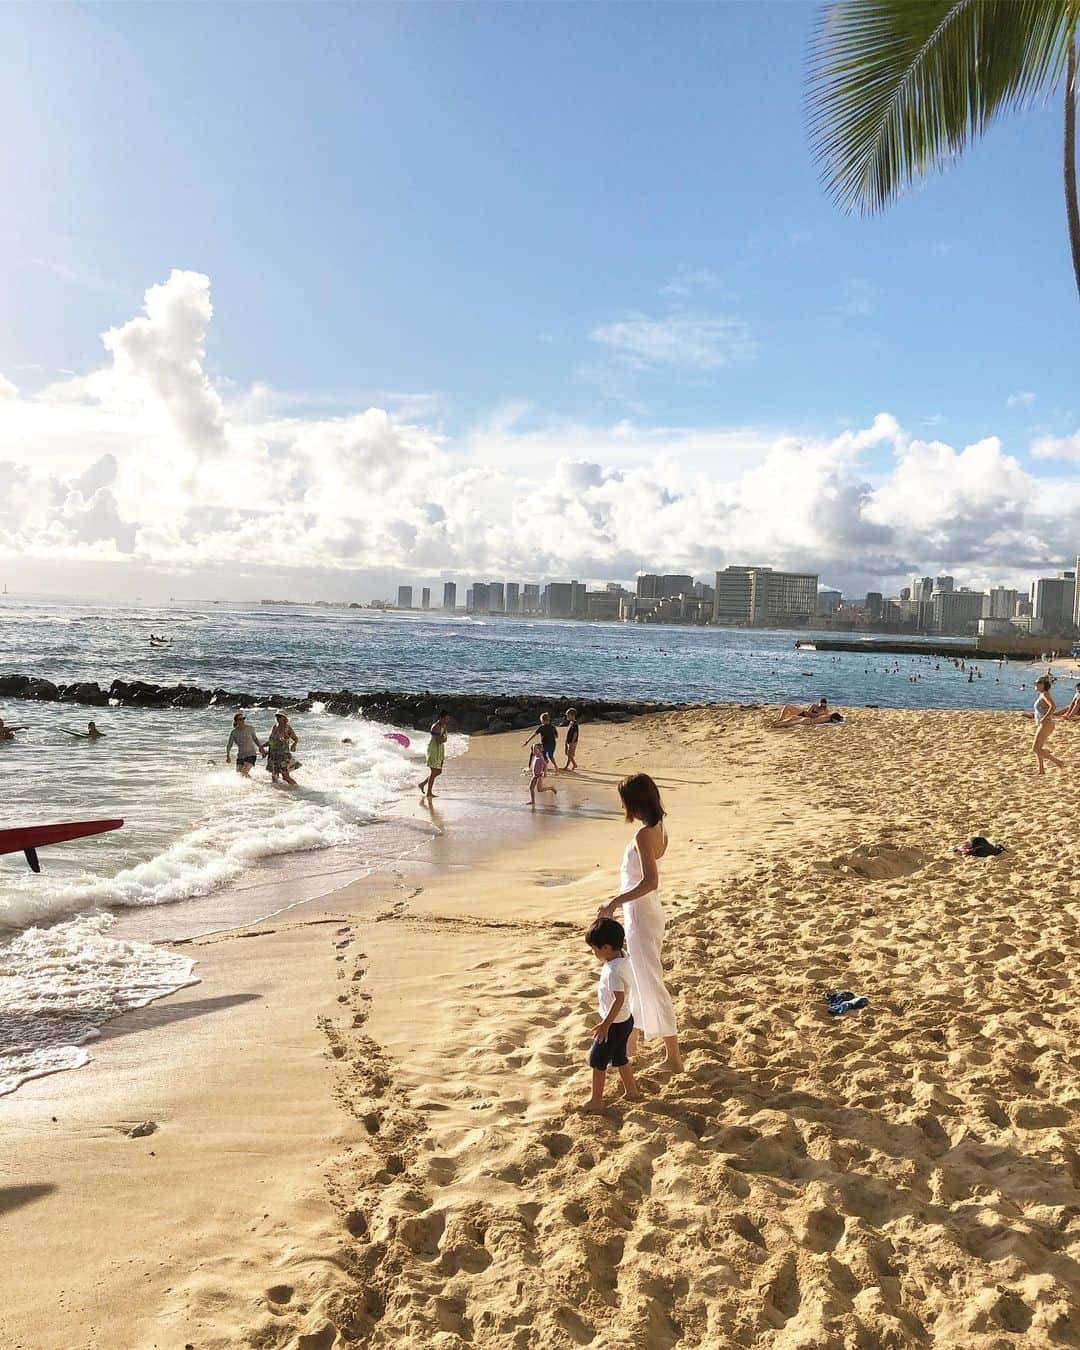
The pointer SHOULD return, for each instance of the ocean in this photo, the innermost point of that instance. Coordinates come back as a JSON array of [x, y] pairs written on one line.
[[204, 849]]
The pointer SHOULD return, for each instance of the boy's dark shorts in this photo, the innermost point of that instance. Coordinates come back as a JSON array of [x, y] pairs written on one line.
[[611, 1054], [247, 759]]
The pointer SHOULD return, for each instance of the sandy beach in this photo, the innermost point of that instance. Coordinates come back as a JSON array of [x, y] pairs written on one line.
[[366, 1111]]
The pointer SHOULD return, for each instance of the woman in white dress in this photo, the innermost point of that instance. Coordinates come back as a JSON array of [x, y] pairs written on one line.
[[643, 915]]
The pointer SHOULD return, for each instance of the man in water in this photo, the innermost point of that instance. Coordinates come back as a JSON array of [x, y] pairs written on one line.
[[92, 733], [247, 744]]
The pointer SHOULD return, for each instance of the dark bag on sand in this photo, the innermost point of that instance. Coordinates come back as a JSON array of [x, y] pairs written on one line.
[[980, 848]]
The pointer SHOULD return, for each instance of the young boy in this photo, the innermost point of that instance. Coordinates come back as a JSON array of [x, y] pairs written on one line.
[[537, 769], [607, 940], [549, 738], [572, 731]]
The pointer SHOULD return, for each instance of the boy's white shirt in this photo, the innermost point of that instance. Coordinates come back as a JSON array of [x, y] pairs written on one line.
[[615, 977]]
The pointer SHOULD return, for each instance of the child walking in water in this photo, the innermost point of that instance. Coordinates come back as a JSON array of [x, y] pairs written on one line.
[[537, 769], [572, 732], [607, 941]]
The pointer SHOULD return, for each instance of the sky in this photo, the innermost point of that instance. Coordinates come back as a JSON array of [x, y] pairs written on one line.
[[310, 300]]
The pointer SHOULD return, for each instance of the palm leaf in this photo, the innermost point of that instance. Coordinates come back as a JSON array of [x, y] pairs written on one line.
[[897, 87]]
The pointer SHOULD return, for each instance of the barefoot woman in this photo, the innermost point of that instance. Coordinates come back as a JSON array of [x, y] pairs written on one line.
[[643, 915], [1044, 724]]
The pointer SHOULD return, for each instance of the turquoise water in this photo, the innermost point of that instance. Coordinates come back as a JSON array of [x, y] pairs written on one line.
[[289, 650]]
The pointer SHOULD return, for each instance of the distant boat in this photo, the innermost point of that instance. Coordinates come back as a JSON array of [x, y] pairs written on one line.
[[806, 646]]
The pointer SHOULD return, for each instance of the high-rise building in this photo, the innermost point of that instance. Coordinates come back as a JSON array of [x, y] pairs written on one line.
[[530, 599], [1002, 603], [956, 611], [479, 595], [649, 586], [676, 584], [874, 604], [449, 595], [1076, 595], [558, 600], [733, 589], [828, 602], [404, 597], [1053, 601], [758, 595], [603, 604], [905, 593], [579, 605], [944, 583], [922, 588], [496, 597], [425, 598], [513, 598]]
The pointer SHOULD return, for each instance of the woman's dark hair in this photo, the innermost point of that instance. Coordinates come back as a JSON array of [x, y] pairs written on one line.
[[1043, 683], [606, 933], [641, 799]]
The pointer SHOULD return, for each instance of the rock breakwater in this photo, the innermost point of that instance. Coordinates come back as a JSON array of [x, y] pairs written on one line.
[[474, 714]]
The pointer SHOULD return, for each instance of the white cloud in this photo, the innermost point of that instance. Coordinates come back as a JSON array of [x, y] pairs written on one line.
[[1057, 447], [141, 463], [7, 389], [1021, 400], [677, 342]]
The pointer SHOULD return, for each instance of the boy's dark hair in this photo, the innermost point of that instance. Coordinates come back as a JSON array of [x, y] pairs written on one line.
[[641, 799], [572, 712], [606, 933], [442, 713]]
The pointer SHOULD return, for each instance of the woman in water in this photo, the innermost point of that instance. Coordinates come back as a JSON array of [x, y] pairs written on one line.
[[643, 915], [280, 745], [436, 753], [1044, 723]]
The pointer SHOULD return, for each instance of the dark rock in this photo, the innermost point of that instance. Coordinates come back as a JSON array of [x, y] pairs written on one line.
[[141, 1130], [89, 692], [44, 690], [496, 724], [13, 686]]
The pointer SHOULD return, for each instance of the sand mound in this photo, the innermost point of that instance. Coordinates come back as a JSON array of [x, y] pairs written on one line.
[[881, 862]]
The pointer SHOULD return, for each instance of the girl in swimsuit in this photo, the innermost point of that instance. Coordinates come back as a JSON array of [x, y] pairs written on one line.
[[1044, 724]]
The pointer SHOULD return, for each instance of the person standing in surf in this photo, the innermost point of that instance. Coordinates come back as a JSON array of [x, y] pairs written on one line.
[[436, 753], [572, 733], [248, 746], [280, 745], [643, 916]]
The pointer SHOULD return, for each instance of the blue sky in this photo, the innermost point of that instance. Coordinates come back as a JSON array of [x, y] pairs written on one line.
[[520, 214]]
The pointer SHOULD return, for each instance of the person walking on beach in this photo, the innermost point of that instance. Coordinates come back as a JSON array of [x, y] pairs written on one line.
[[549, 739], [248, 746], [436, 753], [1044, 724], [572, 733], [280, 745], [607, 941], [643, 915], [537, 770]]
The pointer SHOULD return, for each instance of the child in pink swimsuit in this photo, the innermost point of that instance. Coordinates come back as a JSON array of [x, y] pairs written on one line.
[[537, 769]]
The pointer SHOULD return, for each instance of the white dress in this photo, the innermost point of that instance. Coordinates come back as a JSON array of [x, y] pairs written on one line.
[[643, 919]]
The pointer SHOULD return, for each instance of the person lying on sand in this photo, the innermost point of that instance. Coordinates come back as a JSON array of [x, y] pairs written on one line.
[[815, 715], [1072, 712], [607, 941]]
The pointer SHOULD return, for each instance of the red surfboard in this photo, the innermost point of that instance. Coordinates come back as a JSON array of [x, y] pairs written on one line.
[[33, 837]]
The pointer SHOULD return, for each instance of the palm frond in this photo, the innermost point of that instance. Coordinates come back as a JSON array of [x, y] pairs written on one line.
[[897, 87]]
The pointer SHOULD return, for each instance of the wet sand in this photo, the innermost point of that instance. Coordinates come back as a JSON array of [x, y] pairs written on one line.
[[367, 1115]]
